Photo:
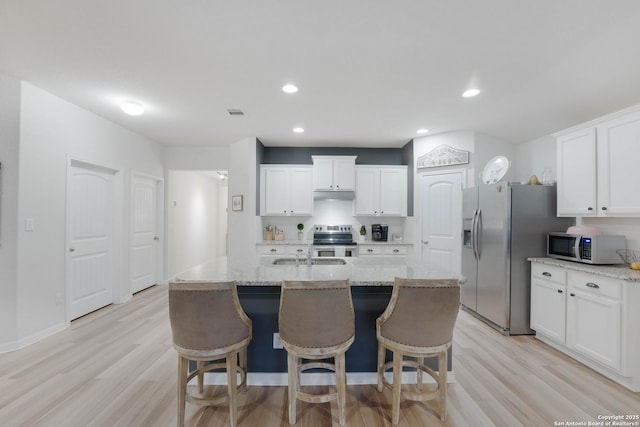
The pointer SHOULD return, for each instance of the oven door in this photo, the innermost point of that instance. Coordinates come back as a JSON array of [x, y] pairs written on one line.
[[564, 246], [332, 251]]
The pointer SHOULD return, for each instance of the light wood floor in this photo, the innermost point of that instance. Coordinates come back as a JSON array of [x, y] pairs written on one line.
[[116, 367]]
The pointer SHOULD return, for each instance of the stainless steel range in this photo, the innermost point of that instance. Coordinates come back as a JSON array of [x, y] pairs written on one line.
[[333, 240]]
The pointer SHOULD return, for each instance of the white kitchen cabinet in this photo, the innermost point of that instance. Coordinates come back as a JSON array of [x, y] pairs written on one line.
[[597, 168], [593, 318], [383, 249], [548, 301], [334, 173], [286, 190], [381, 191]]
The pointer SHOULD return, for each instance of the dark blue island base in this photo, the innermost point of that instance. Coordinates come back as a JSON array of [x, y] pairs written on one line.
[[261, 303]]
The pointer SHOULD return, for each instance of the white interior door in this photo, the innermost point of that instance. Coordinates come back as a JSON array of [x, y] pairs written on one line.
[[90, 261], [145, 239], [441, 218]]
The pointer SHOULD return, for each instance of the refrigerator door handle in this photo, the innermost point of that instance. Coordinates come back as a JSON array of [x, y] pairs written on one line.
[[473, 234], [477, 233]]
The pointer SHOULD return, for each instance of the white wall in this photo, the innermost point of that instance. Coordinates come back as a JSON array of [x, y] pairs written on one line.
[[9, 147], [196, 219], [243, 226], [52, 129], [197, 158], [534, 156]]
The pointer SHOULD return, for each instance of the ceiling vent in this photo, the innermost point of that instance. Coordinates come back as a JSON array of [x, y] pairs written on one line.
[[235, 112]]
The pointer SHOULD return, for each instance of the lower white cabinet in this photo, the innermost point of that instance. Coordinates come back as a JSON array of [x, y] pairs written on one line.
[[382, 249], [548, 302], [591, 317]]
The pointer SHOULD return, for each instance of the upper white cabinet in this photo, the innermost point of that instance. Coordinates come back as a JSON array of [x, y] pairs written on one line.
[[286, 190], [381, 191], [597, 165], [334, 173]]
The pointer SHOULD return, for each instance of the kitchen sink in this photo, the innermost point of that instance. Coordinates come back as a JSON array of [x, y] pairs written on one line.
[[314, 261]]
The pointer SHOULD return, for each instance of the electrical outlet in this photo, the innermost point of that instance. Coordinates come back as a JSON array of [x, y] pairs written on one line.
[[276, 340]]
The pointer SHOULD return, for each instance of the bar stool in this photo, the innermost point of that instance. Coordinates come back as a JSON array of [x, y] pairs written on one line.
[[209, 325], [316, 321], [418, 322]]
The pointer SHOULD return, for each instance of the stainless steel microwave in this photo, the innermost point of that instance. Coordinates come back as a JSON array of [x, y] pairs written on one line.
[[598, 249]]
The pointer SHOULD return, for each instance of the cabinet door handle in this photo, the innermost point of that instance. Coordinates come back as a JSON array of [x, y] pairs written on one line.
[[273, 250], [592, 285], [604, 208], [573, 295], [298, 250], [559, 291], [589, 208], [369, 250], [546, 273], [396, 250]]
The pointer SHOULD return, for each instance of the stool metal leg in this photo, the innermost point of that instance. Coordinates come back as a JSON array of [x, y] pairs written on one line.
[[341, 385], [292, 363], [381, 356], [183, 366], [232, 387], [397, 385]]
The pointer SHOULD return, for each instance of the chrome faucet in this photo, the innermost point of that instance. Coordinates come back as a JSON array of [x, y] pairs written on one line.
[[297, 260], [309, 256]]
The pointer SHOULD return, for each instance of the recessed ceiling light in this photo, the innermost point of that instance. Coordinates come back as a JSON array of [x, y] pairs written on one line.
[[289, 88], [469, 93], [298, 130], [132, 108], [422, 131]]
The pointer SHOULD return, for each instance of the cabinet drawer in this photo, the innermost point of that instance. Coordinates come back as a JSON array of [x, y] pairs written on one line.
[[596, 285], [370, 250], [549, 273], [272, 250], [297, 249], [395, 250]]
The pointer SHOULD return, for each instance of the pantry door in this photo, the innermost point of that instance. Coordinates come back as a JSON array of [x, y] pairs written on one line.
[[145, 227], [90, 225], [441, 218]]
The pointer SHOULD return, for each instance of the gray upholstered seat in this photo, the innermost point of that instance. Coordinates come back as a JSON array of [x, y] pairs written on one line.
[[316, 321], [208, 324], [418, 323]]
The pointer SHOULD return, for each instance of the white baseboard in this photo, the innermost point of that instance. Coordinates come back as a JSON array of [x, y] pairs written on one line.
[[33, 338], [314, 378]]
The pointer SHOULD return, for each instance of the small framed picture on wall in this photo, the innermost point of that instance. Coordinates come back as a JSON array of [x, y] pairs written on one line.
[[236, 203]]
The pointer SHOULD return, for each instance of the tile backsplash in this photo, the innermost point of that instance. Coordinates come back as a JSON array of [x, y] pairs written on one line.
[[331, 212]]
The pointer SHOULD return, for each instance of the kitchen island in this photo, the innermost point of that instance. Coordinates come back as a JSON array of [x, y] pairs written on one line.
[[371, 280]]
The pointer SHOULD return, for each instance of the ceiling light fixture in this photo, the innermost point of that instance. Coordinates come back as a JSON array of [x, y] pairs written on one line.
[[289, 88], [132, 108], [298, 130], [422, 131], [469, 93]]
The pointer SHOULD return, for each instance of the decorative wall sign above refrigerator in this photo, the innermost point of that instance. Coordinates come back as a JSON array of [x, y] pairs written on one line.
[[443, 155]]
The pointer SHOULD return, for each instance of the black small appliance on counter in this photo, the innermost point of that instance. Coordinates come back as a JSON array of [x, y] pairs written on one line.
[[379, 232]]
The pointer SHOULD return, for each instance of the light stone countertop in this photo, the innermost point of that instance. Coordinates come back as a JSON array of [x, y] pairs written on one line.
[[619, 271], [310, 242], [365, 271]]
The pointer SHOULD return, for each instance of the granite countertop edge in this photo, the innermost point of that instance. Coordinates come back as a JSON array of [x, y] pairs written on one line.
[[619, 272]]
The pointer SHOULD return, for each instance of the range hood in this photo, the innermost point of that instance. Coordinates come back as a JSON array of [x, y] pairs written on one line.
[[334, 195]]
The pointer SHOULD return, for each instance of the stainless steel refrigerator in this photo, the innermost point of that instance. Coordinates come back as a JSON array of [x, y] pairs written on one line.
[[503, 225]]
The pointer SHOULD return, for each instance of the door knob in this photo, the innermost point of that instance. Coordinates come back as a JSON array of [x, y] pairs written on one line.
[[426, 242], [71, 249]]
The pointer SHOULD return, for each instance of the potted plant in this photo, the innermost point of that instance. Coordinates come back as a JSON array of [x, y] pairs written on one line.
[[300, 233], [363, 232]]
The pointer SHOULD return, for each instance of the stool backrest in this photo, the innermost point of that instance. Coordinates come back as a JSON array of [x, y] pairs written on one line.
[[421, 312], [316, 314], [207, 316]]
